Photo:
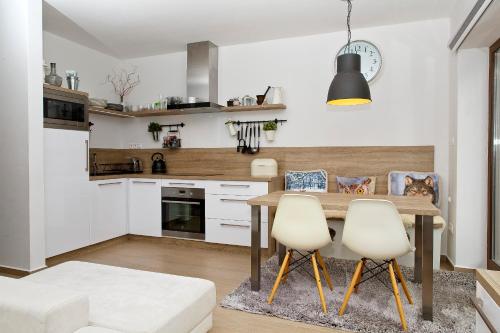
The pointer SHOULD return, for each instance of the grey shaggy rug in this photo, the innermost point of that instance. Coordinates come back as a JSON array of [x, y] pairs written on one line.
[[372, 309]]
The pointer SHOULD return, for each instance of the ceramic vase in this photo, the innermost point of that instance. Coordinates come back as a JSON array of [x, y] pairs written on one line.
[[53, 78]]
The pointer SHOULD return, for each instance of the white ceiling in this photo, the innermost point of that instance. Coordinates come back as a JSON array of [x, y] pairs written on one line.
[[133, 28]]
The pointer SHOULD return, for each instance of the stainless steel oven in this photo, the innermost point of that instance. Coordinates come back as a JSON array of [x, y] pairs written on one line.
[[183, 212], [65, 110]]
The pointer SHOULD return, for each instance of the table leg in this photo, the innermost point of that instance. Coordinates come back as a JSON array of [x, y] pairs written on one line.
[[281, 252], [255, 243], [417, 267], [427, 266]]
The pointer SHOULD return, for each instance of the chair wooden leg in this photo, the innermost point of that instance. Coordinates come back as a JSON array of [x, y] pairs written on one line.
[[278, 278], [285, 274], [351, 287], [396, 295], [403, 282], [360, 275], [323, 268], [318, 283]]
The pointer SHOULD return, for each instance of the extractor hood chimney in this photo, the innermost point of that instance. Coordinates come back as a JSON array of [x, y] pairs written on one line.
[[202, 77]]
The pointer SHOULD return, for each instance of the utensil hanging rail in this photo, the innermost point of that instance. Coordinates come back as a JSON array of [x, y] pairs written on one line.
[[170, 126], [277, 121]]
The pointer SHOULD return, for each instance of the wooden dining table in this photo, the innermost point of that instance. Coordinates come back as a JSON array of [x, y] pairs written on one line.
[[422, 208]]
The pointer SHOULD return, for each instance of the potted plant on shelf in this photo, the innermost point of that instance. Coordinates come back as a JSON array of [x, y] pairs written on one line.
[[270, 130], [231, 127], [155, 129]]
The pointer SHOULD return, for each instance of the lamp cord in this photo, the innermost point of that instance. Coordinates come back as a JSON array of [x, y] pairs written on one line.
[[349, 9]]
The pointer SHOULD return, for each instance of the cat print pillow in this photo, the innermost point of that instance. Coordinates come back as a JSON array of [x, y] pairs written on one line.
[[415, 184], [356, 185]]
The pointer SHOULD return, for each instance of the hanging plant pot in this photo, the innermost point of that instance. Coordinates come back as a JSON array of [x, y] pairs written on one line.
[[270, 130], [231, 128], [154, 129], [270, 135]]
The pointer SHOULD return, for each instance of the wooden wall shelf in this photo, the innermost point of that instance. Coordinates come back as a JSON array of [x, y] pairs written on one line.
[[111, 113], [263, 107], [175, 112]]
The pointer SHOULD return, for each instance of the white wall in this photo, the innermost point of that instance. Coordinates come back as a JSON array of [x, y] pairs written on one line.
[[22, 238], [471, 158], [92, 66]]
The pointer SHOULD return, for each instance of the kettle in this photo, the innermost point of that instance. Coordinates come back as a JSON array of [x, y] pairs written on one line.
[[159, 165]]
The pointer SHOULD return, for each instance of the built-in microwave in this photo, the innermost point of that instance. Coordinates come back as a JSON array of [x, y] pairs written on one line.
[[65, 109]]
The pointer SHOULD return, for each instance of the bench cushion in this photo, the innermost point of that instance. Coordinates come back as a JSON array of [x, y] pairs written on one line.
[[27, 307], [135, 301]]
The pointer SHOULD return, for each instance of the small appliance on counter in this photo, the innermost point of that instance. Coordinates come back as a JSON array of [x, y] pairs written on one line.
[[159, 165], [264, 167], [134, 165]]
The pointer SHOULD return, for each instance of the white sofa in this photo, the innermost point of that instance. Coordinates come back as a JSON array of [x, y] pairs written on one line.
[[83, 297]]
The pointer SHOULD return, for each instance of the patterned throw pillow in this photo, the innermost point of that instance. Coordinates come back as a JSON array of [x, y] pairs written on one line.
[[306, 181], [416, 184], [356, 185]]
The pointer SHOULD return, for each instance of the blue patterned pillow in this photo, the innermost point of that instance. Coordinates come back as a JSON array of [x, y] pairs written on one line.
[[306, 181]]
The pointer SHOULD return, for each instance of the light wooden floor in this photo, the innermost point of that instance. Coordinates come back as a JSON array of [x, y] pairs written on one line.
[[226, 267]]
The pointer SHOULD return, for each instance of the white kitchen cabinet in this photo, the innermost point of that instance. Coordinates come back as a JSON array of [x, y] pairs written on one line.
[[145, 207], [232, 207], [185, 183], [109, 210], [67, 190], [233, 232], [228, 215], [237, 188]]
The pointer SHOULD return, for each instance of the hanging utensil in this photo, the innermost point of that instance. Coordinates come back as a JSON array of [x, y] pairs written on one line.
[[244, 149], [258, 142], [254, 149], [249, 148]]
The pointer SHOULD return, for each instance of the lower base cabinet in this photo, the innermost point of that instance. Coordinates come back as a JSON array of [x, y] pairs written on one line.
[[109, 210], [145, 207], [233, 232]]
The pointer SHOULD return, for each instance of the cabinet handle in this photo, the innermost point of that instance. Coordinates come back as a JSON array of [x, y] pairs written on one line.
[[234, 225], [143, 182], [478, 304], [114, 183], [233, 200], [86, 155], [235, 185], [187, 184], [193, 203]]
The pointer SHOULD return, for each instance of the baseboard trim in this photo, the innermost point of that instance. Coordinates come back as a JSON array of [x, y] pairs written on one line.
[[52, 261], [445, 259], [14, 272]]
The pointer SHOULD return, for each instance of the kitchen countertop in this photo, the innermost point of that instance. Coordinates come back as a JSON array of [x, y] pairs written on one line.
[[191, 176], [490, 280]]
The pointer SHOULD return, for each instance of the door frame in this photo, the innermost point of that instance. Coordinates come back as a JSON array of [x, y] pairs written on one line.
[[493, 48]]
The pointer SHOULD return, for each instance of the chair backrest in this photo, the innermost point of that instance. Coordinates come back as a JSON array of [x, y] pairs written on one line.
[[374, 229], [300, 222]]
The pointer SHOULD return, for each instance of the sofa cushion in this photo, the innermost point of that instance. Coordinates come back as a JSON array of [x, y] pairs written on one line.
[[135, 301], [27, 307]]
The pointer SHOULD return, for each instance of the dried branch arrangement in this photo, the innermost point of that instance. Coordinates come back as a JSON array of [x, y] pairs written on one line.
[[123, 81]]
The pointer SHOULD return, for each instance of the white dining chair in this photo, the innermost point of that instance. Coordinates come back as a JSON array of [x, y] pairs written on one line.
[[300, 225], [374, 229]]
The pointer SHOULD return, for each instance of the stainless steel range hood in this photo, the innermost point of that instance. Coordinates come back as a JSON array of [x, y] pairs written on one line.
[[202, 77]]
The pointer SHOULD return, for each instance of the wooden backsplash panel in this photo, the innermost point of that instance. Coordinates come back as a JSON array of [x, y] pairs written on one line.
[[337, 161]]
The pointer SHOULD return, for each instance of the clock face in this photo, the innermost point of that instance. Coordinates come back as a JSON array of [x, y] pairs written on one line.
[[371, 59]]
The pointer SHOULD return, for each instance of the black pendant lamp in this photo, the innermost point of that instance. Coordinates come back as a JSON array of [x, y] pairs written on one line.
[[349, 86]]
